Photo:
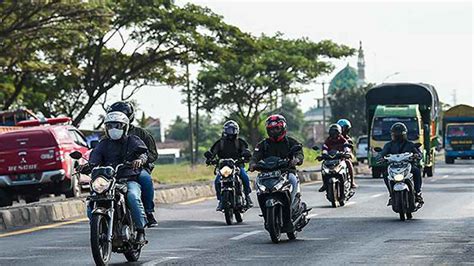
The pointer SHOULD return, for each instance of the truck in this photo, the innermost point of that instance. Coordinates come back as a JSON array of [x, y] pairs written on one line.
[[458, 133], [414, 104]]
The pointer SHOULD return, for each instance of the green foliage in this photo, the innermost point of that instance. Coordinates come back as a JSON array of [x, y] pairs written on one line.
[[256, 69], [354, 112], [178, 130]]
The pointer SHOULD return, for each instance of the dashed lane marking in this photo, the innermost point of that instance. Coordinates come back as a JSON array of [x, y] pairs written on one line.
[[377, 195], [43, 227], [350, 203], [312, 215], [196, 200], [244, 235]]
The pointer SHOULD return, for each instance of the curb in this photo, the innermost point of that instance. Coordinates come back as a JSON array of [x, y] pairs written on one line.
[[50, 212]]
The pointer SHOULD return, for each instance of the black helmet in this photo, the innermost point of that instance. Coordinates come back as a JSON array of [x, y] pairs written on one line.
[[334, 130], [231, 129], [124, 107], [399, 131], [276, 127]]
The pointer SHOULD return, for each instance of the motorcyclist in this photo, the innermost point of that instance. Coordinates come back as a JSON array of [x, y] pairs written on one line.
[[279, 144], [335, 142], [116, 148], [230, 145], [346, 128], [145, 180], [400, 144]]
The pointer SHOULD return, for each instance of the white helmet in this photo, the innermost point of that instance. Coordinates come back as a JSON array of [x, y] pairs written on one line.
[[116, 125]]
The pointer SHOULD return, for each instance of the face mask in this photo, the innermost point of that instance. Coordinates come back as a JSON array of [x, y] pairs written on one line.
[[115, 133]]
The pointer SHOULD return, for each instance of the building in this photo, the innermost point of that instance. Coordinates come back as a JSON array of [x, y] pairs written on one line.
[[347, 78]]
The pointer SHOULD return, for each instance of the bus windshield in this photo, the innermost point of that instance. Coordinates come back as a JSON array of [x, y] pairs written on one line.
[[460, 130], [382, 125]]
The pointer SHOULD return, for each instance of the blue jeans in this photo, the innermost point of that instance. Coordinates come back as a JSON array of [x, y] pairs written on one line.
[[134, 202], [295, 182], [245, 181], [148, 195]]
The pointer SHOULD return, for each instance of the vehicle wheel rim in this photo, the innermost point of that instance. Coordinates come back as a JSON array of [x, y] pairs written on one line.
[[103, 242]]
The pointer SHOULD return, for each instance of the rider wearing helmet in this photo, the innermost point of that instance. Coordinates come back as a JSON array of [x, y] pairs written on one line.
[[346, 128], [116, 148], [231, 146], [144, 179], [279, 144], [335, 142], [400, 144]]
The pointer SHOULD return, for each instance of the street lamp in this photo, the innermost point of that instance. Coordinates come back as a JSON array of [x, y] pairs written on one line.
[[391, 75]]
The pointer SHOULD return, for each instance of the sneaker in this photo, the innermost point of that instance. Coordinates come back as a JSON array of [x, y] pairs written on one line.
[[354, 185], [248, 199], [141, 237], [151, 220], [419, 198], [219, 207], [323, 188]]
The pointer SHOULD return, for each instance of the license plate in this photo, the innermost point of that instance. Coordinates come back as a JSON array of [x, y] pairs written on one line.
[[272, 174], [25, 177]]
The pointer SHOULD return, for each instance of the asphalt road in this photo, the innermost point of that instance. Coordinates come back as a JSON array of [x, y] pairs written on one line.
[[365, 231]]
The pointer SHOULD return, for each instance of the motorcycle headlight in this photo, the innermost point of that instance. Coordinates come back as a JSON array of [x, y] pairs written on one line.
[[398, 177], [226, 171], [100, 184]]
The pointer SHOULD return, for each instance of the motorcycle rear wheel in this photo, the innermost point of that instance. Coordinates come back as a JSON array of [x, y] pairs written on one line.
[[409, 216], [238, 217], [133, 255], [273, 224], [101, 248], [292, 235]]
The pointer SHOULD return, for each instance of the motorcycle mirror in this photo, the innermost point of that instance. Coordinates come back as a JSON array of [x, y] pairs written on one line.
[[418, 145], [316, 148], [296, 148], [208, 155], [348, 145], [94, 144], [76, 155], [377, 149], [246, 153]]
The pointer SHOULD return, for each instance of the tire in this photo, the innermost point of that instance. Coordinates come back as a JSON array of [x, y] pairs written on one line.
[[402, 216], [101, 248], [238, 217], [332, 195], [449, 160], [376, 173], [273, 225], [31, 198], [229, 216], [292, 235], [399, 199], [429, 171], [6, 199], [75, 188], [133, 255], [409, 216]]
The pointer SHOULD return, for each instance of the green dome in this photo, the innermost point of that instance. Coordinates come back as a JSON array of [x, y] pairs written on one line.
[[345, 79]]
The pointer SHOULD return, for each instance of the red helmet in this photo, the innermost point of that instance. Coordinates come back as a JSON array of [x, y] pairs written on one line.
[[276, 127]]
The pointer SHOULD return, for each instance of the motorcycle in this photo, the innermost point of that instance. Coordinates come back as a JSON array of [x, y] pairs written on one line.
[[111, 226], [401, 183], [274, 197], [232, 194], [336, 175]]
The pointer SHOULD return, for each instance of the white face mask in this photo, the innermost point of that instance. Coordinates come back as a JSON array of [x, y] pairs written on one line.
[[115, 133]]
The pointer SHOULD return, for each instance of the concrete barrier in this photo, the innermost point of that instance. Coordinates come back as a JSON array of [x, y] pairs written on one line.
[[49, 212]]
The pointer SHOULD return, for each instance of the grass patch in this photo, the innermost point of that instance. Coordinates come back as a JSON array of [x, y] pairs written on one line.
[[182, 173]]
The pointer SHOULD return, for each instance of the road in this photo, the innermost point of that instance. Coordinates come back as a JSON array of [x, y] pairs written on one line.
[[365, 231]]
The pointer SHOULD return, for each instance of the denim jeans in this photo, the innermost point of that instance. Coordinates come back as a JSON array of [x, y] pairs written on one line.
[[295, 182], [134, 203], [148, 191], [245, 181]]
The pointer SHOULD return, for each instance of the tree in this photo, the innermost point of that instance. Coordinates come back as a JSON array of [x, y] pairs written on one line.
[[256, 69], [178, 130], [350, 104]]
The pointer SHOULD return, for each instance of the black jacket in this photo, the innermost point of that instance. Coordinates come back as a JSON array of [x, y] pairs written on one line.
[[225, 148], [267, 148], [149, 141], [395, 147], [114, 152]]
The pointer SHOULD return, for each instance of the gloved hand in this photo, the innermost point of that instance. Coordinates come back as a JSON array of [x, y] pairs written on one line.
[[294, 162], [208, 161], [137, 164]]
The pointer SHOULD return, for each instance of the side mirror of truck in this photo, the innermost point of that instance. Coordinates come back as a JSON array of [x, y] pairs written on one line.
[[94, 144], [76, 155], [377, 149]]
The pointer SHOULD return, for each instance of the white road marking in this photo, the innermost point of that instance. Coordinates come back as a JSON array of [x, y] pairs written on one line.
[[350, 203], [198, 227], [445, 176], [377, 195], [244, 235], [312, 215], [158, 261]]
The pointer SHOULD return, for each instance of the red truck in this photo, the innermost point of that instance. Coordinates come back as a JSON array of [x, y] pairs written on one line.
[[34, 161]]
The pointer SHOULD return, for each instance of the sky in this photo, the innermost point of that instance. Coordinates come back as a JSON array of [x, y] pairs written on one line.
[[430, 42]]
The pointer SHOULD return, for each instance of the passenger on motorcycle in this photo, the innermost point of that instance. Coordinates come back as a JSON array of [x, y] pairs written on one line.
[[278, 144], [144, 179], [231, 146], [400, 144], [346, 128], [335, 142], [117, 148]]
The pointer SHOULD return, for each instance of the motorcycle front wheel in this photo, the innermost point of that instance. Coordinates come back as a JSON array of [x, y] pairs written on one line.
[[332, 194], [273, 224], [229, 216], [100, 246]]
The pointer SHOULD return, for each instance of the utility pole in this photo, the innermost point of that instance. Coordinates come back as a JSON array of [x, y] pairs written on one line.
[[324, 102], [190, 119]]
